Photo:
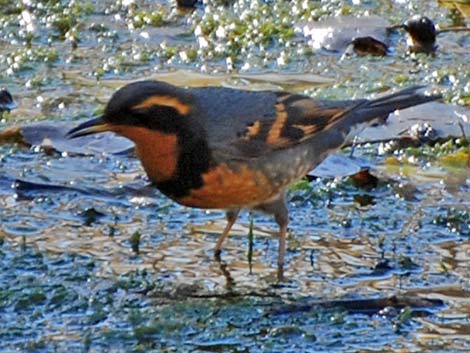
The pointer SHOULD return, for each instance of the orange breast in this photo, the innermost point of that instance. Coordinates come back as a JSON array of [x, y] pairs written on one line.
[[230, 188], [157, 151]]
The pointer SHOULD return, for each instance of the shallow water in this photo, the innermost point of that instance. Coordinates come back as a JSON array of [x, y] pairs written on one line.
[[71, 277]]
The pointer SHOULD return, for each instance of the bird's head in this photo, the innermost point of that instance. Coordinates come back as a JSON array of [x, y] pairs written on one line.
[[150, 106], [162, 121]]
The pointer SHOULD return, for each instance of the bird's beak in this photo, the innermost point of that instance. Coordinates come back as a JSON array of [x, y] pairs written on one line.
[[89, 127]]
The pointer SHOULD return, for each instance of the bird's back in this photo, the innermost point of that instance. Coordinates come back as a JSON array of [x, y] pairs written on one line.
[[282, 136]]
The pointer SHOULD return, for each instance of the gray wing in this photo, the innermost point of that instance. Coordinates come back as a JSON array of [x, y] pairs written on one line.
[[249, 124]]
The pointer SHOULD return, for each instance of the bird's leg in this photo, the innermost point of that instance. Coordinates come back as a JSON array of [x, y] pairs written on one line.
[[282, 219], [279, 209], [231, 216]]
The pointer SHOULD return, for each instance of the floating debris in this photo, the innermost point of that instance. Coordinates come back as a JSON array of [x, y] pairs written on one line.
[[421, 35], [6, 101]]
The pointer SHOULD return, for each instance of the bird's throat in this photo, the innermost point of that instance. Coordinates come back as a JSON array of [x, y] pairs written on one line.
[[157, 151]]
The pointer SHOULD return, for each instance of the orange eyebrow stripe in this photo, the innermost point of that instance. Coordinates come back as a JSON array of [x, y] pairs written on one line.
[[167, 101]]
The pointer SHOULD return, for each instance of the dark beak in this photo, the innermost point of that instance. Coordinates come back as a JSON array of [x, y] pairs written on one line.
[[89, 127]]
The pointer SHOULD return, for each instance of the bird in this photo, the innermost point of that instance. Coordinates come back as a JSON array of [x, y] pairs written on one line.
[[233, 149], [6, 101]]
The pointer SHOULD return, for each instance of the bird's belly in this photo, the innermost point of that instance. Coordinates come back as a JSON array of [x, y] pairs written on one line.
[[232, 187], [249, 185]]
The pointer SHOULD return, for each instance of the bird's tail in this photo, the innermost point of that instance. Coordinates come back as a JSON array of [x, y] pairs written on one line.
[[368, 112], [405, 98]]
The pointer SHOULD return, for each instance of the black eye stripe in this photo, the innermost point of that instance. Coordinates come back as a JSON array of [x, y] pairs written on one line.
[[158, 117]]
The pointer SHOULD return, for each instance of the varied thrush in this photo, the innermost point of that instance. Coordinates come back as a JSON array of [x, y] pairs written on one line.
[[231, 149]]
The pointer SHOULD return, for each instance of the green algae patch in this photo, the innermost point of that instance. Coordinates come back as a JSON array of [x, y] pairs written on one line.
[[458, 160]]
